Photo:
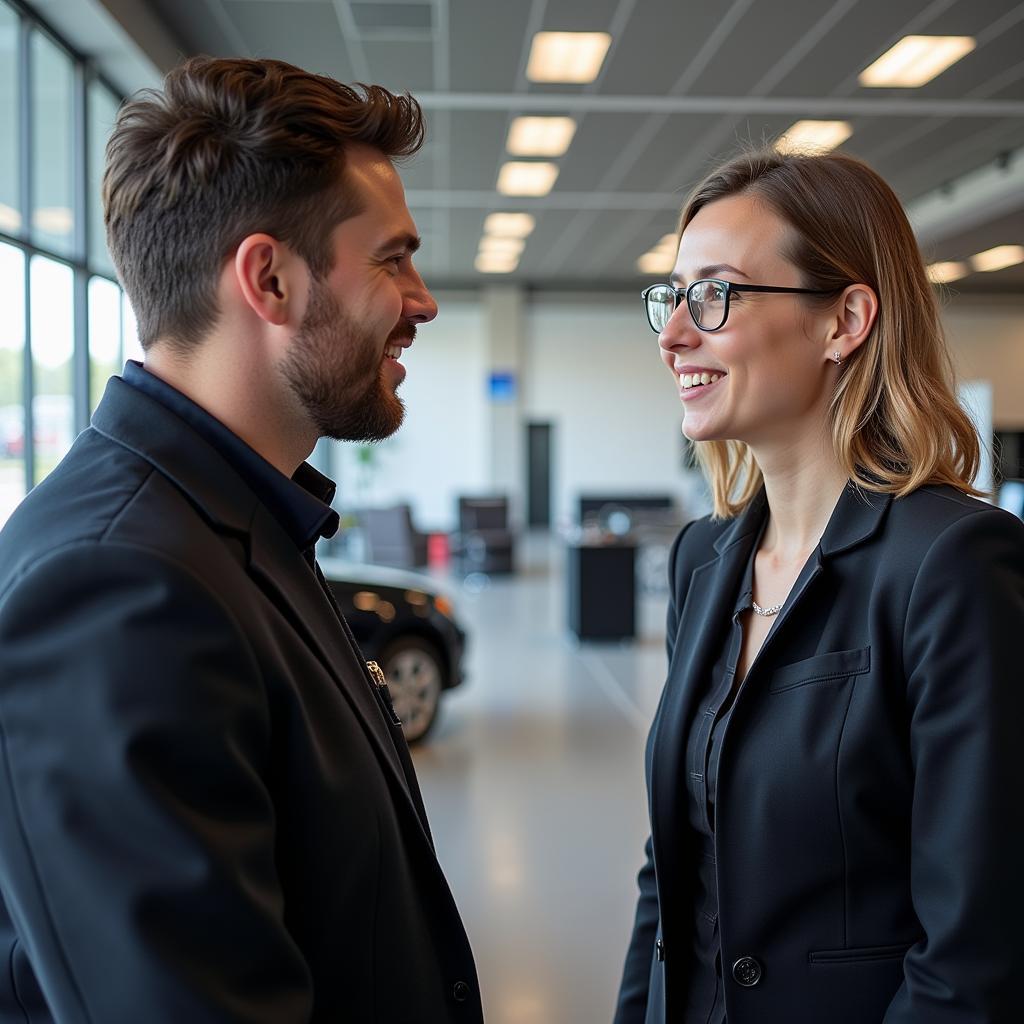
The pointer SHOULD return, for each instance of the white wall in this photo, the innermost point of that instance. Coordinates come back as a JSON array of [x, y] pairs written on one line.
[[590, 366], [439, 452], [592, 369], [987, 338]]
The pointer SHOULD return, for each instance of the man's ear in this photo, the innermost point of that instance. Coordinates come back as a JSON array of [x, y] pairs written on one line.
[[269, 277], [855, 317]]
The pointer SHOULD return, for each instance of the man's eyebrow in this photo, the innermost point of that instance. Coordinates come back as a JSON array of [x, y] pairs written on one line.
[[710, 271], [410, 243]]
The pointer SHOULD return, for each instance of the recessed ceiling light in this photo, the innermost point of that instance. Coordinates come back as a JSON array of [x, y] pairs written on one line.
[[10, 219], [943, 273], [495, 262], [499, 243], [667, 243], [814, 136], [656, 262], [54, 220], [567, 56], [916, 60], [540, 136], [526, 179], [509, 225], [999, 258]]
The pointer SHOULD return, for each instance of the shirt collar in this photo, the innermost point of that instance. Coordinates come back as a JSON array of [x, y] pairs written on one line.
[[302, 504]]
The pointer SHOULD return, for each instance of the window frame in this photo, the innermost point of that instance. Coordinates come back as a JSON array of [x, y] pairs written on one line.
[[85, 74]]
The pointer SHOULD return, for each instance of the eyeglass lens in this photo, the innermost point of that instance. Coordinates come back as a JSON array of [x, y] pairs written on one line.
[[705, 299]]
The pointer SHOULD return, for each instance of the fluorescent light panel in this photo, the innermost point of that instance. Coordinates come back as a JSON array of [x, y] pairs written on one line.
[[497, 243], [540, 136], [495, 263], [999, 258], [656, 262], [943, 273], [814, 136], [567, 56], [509, 225], [915, 61], [526, 179]]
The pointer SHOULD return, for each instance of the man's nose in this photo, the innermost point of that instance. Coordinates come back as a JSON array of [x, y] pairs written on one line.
[[420, 305]]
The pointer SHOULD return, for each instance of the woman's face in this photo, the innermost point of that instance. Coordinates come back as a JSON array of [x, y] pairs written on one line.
[[770, 354]]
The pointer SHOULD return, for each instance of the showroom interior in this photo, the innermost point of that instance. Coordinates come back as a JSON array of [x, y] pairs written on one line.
[[504, 554]]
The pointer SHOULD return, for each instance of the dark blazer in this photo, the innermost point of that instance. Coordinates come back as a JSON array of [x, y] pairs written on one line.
[[870, 825], [205, 813]]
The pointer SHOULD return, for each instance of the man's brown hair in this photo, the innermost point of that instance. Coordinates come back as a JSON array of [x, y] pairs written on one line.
[[226, 149]]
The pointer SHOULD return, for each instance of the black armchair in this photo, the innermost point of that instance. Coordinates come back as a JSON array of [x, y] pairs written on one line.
[[391, 538], [484, 543]]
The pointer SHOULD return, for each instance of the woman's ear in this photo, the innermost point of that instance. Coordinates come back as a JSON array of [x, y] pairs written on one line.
[[854, 318], [266, 273]]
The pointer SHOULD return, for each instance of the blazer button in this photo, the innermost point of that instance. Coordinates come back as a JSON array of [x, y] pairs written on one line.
[[659, 950], [746, 971], [460, 992]]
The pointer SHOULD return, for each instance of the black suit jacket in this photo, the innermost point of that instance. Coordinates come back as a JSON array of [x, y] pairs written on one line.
[[870, 826], [205, 813]]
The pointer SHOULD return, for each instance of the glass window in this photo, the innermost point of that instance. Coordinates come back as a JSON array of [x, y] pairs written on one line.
[[12, 379], [10, 181], [53, 129], [104, 336], [103, 106], [53, 332]]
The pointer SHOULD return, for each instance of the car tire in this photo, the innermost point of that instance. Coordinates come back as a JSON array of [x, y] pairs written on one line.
[[415, 675]]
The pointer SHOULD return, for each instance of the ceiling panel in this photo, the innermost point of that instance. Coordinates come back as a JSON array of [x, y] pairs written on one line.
[[401, 65], [485, 44], [306, 34], [598, 218], [763, 41]]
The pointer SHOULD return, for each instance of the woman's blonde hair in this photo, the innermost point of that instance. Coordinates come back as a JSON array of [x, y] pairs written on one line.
[[895, 420]]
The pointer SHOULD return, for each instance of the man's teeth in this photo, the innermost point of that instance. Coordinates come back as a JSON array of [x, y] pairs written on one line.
[[691, 380], [393, 351]]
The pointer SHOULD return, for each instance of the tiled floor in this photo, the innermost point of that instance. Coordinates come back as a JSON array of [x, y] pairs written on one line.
[[534, 786]]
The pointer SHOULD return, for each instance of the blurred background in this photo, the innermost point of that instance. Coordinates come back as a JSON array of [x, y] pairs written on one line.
[[503, 555]]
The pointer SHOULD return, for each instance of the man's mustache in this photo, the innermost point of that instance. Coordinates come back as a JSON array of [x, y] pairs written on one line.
[[404, 333]]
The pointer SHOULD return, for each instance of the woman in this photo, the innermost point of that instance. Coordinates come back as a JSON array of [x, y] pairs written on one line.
[[837, 834]]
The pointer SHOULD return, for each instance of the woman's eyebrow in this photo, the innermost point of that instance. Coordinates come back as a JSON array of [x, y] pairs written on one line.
[[709, 271]]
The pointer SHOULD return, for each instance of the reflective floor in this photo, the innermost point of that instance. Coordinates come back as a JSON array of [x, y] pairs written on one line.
[[534, 784]]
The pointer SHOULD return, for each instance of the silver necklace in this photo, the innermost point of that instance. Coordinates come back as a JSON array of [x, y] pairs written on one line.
[[766, 612]]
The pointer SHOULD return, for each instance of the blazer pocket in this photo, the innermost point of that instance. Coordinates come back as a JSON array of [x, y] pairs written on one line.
[[821, 668], [859, 955]]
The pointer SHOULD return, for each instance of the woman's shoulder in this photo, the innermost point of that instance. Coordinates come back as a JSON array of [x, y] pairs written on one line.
[[930, 511], [695, 542]]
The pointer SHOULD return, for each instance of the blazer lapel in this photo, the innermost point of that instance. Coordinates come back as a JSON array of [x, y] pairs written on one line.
[[281, 572], [140, 423], [856, 518], [703, 619]]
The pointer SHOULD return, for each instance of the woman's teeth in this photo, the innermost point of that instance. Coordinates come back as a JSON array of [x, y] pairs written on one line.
[[691, 380]]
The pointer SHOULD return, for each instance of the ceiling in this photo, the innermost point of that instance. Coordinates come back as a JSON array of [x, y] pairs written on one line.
[[683, 85]]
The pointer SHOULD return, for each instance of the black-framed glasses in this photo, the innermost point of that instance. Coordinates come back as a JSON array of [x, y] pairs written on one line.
[[706, 299]]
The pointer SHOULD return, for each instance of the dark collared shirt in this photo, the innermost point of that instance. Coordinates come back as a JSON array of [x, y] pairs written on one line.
[[705, 1002], [302, 504]]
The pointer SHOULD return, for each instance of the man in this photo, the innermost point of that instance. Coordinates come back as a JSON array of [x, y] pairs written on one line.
[[207, 809]]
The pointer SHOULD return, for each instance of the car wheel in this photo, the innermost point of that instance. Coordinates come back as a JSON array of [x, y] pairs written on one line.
[[415, 675]]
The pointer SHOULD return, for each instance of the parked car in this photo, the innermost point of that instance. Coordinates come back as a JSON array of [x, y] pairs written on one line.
[[404, 622]]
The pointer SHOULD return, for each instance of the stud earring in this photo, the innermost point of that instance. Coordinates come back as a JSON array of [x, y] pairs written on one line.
[[837, 356]]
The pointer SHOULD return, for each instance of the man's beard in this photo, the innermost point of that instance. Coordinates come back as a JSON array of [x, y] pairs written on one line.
[[336, 373]]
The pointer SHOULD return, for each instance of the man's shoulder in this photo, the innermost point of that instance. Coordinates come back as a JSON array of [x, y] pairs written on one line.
[[101, 494]]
